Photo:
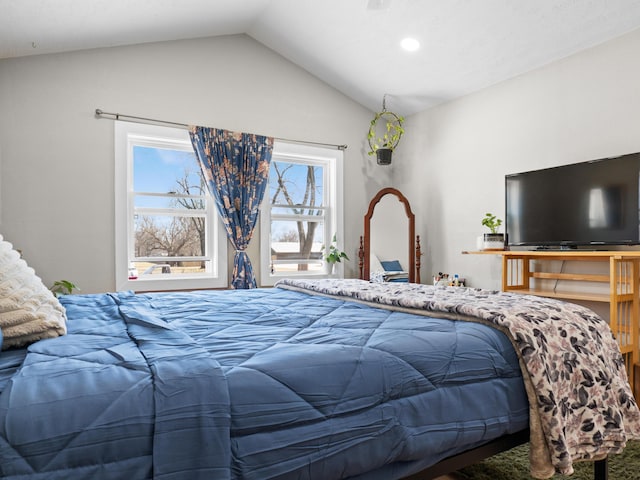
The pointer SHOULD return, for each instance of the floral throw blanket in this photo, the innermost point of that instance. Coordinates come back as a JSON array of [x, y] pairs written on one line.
[[580, 400]]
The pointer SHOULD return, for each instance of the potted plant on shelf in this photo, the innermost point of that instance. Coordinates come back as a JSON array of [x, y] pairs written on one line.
[[384, 135], [493, 240], [334, 255]]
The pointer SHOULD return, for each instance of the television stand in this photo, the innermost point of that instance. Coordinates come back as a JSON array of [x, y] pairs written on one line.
[[527, 272]]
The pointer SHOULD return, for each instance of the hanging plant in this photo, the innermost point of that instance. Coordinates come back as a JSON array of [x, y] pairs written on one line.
[[384, 135]]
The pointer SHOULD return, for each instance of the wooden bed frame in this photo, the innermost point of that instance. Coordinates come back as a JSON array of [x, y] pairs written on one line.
[[476, 455]]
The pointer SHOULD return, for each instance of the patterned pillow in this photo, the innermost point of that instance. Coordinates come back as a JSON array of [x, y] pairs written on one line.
[[28, 310]]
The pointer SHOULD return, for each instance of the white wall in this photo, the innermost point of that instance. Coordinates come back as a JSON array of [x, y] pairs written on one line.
[[454, 157], [57, 171]]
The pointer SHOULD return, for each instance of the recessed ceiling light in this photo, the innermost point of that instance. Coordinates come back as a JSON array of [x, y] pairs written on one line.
[[410, 44]]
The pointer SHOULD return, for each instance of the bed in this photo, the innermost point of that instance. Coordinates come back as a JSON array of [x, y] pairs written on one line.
[[320, 380]]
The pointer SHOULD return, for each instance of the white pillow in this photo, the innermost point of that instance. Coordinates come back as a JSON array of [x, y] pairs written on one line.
[[28, 310]]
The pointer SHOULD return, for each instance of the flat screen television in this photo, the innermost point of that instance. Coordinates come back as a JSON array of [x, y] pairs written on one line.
[[583, 204]]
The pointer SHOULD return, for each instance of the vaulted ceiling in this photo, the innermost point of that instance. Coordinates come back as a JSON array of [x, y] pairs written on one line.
[[353, 45]]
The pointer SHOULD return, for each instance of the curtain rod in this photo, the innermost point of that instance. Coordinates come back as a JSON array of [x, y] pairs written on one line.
[[131, 118]]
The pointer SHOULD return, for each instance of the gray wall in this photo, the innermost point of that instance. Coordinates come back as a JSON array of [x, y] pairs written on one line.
[[453, 159], [57, 165]]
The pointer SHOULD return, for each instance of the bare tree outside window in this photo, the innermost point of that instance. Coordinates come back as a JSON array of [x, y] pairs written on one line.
[[171, 212], [186, 186], [296, 196]]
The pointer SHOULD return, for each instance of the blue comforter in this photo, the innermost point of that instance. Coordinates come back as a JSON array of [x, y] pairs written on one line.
[[257, 384]]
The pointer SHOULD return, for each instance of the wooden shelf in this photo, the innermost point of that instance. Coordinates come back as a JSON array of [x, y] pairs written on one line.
[[569, 254], [527, 272], [584, 277], [586, 297]]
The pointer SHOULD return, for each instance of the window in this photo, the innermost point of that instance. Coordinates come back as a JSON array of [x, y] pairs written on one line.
[[168, 234], [301, 212]]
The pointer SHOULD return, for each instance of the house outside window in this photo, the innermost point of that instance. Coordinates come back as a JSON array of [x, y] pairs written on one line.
[[301, 211], [168, 234]]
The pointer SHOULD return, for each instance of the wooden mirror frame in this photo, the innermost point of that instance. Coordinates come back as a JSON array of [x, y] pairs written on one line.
[[414, 241]]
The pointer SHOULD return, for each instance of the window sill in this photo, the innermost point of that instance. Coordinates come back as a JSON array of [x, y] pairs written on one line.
[[166, 284]]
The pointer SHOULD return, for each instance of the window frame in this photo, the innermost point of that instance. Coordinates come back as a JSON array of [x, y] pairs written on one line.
[[127, 135], [332, 160]]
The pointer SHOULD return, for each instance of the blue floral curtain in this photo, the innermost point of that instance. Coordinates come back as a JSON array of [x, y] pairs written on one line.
[[236, 168]]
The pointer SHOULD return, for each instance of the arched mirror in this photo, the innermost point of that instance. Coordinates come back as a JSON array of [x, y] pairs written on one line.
[[389, 249]]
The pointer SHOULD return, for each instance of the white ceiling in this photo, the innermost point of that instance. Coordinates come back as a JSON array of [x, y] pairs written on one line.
[[466, 45]]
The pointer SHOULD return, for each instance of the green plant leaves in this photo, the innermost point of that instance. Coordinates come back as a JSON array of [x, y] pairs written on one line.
[[392, 134]]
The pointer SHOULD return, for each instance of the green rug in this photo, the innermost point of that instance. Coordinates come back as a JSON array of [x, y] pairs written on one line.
[[514, 465]]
